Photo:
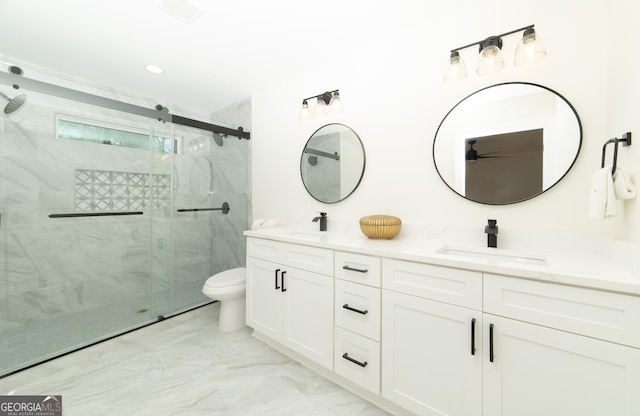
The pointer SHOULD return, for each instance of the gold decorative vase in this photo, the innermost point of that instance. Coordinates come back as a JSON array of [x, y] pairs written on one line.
[[380, 227]]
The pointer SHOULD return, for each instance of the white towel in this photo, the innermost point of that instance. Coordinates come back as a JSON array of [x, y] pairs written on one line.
[[602, 200], [623, 187], [266, 223]]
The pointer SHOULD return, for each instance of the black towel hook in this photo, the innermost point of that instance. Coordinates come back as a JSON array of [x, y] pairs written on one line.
[[626, 141]]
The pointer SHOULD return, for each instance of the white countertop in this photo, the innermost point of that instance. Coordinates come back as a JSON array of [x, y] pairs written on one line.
[[583, 260]]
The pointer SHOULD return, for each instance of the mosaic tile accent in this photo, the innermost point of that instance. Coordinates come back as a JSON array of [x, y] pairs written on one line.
[[100, 190]]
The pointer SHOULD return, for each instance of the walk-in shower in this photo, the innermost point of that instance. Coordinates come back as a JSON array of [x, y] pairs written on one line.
[[109, 220]]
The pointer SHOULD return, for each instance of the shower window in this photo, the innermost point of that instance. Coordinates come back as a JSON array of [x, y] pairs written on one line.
[[71, 128]]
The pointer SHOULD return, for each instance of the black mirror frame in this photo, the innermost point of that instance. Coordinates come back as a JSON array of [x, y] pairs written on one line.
[[433, 148], [364, 164]]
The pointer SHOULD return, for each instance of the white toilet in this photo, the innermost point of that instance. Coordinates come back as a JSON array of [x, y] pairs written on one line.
[[229, 288]]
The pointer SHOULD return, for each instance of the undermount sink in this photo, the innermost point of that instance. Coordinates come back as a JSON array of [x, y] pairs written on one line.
[[313, 234], [495, 255]]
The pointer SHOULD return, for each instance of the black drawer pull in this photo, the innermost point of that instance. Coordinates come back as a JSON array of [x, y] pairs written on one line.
[[354, 269], [282, 276], [346, 357], [346, 306], [277, 287]]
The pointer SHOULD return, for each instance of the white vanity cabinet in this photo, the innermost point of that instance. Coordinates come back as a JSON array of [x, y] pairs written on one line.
[[357, 319], [575, 354], [290, 296], [432, 338]]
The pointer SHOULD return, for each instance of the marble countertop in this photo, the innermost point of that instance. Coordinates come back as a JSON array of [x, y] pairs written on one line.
[[583, 260]]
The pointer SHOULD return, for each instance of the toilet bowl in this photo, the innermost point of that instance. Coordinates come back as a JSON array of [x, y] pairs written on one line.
[[229, 288]]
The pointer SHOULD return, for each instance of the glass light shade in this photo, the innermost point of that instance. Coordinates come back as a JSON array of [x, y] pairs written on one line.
[[321, 108], [305, 112], [530, 49], [335, 106], [490, 60], [456, 70]]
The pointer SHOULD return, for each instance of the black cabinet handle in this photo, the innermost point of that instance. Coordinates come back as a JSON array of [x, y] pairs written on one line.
[[277, 271], [491, 342], [346, 306], [361, 364], [473, 336], [354, 269], [282, 275]]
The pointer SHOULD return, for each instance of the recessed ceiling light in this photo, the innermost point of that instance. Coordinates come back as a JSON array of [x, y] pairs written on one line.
[[153, 68]]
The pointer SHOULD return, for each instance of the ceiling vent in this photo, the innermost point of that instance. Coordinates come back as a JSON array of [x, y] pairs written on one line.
[[182, 9]]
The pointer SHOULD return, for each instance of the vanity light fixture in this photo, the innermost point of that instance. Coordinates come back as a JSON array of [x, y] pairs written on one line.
[[325, 103], [530, 49]]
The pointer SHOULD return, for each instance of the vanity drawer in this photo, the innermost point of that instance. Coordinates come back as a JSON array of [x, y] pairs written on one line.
[[357, 308], [604, 315], [358, 268], [444, 284], [357, 359], [313, 259], [265, 249]]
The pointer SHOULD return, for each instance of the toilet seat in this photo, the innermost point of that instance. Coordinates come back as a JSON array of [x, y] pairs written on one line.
[[227, 278]]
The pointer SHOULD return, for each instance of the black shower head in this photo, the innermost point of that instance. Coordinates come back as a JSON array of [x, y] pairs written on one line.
[[217, 137]]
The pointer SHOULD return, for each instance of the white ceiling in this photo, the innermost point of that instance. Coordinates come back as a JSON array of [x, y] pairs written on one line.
[[232, 50]]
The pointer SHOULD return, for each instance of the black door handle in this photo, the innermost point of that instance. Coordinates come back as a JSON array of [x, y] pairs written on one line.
[[282, 275], [491, 342], [277, 287], [473, 336], [361, 364], [346, 306]]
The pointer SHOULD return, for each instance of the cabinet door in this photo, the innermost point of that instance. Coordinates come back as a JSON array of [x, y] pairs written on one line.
[[541, 371], [427, 362], [308, 315], [264, 300]]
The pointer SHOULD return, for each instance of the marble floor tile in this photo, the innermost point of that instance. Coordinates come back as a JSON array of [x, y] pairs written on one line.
[[185, 366]]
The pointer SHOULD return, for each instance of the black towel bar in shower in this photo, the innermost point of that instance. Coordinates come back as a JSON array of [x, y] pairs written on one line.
[[626, 141], [225, 209], [95, 214]]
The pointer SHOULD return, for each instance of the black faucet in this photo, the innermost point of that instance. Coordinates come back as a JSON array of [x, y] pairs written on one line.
[[492, 233], [323, 221]]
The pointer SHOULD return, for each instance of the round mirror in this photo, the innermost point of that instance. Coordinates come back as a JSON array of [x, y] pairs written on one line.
[[507, 143], [332, 163]]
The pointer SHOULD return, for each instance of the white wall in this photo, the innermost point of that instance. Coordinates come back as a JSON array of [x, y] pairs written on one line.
[[395, 99], [623, 112]]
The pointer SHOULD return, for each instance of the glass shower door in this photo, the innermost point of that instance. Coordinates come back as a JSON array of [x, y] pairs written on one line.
[[210, 173], [75, 230]]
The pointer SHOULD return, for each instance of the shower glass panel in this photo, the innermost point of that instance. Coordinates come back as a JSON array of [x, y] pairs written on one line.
[[69, 282], [205, 242]]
